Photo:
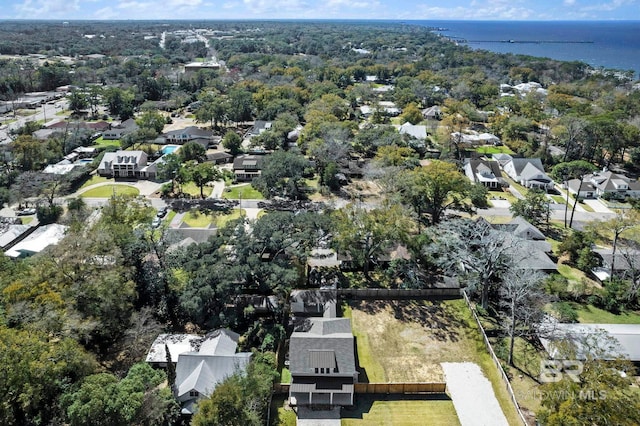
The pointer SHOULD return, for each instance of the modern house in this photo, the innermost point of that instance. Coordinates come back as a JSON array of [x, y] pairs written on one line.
[[484, 172], [247, 167], [126, 164], [202, 362], [121, 130], [528, 172], [604, 184], [322, 363], [38, 240]]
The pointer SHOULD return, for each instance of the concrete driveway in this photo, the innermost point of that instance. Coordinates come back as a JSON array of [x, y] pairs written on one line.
[[308, 417]]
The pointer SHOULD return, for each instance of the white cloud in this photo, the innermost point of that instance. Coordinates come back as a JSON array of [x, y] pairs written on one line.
[[569, 2], [185, 3], [496, 9], [106, 13], [608, 7], [30, 9]]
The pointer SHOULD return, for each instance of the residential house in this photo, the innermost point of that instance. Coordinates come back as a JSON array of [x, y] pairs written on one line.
[[484, 172], [521, 228], [416, 131], [247, 167], [118, 132], [316, 302], [259, 126], [125, 164], [12, 233], [188, 134], [626, 265], [475, 138], [529, 173], [612, 340], [502, 159], [605, 184], [201, 363], [219, 157], [322, 363], [432, 113], [38, 240]]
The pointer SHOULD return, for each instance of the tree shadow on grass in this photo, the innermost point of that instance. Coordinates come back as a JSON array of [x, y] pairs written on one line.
[[443, 322]]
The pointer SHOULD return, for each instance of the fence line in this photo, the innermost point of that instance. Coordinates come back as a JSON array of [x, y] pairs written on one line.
[[387, 293], [390, 388], [495, 359]]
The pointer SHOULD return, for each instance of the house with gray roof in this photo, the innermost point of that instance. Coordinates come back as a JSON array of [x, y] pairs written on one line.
[[188, 134], [521, 228], [484, 172], [432, 113], [604, 184], [247, 167], [322, 363], [529, 173], [201, 363], [124, 164], [416, 131], [121, 130]]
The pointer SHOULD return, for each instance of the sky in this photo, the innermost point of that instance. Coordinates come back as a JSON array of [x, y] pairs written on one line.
[[322, 9]]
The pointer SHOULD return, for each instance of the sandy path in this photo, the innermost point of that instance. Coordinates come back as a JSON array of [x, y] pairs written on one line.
[[472, 395]]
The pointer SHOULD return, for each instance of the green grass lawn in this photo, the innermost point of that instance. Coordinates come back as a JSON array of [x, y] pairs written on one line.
[[170, 216], [222, 220], [102, 143], [490, 149], [193, 190], [197, 219], [285, 376], [589, 314], [27, 220], [96, 179], [281, 416], [398, 410], [245, 191], [107, 191], [559, 199]]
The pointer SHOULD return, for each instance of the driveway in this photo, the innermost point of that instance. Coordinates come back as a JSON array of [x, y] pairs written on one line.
[[597, 206], [472, 395]]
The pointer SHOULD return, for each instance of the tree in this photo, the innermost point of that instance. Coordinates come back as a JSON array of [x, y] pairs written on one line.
[[534, 207], [137, 399], [34, 371], [151, 120], [203, 173], [613, 229], [601, 394], [366, 234], [432, 189], [522, 297], [474, 249], [232, 142], [77, 101], [192, 151], [30, 152], [575, 243], [281, 175], [412, 114]]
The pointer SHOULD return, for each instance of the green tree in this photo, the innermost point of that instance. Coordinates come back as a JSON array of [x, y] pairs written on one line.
[[192, 151], [203, 173], [151, 120], [412, 114], [281, 175], [232, 142], [77, 101], [534, 207], [34, 371], [432, 189]]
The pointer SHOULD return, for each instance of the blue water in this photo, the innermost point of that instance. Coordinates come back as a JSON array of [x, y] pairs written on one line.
[[169, 149], [612, 44]]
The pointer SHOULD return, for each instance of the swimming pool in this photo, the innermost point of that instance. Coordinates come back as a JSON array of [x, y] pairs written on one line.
[[169, 149]]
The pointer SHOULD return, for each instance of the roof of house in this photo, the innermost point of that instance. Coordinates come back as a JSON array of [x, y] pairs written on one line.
[[9, 233], [317, 301], [485, 170], [218, 342], [532, 165], [123, 157], [192, 131], [604, 181], [432, 112], [521, 228], [625, 336], [202, 373], [258, 127], [622, 258], [326, 343], [532, 254], [219, 155], [248, 161], [38, 240], [323, 258], [417, 131]]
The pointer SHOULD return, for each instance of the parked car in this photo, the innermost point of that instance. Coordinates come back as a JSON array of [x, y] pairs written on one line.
[[156, 222], [162, 212], [26, 212]]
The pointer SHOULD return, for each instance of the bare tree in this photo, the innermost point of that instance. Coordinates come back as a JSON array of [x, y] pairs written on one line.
[[522, 298]]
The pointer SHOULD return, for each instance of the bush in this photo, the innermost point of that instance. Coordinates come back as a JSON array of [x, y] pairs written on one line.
[[565, 312], [48, 214]]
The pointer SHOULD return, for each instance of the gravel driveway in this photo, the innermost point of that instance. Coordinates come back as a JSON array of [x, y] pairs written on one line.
[[472, 395]]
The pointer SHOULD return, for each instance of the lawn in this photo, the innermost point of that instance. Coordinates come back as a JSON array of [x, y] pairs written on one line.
[[487, 149], [27, 220], [193, 189], [95, 179], [107, 191], [197, 219], [280, 414], [589, 314], [407, 341], [245, 192], [285, 376], [102, 143], [403, 410]]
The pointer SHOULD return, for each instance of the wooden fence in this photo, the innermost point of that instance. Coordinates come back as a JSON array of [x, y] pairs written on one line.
[[495, 359], [389, 294], [400, 388]]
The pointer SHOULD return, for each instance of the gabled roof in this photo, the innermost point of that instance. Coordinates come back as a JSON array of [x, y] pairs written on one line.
[[485, 168], [259, 126], [310, 302], [38, 240], [521, 228], [248, 161], [519, 165], [219, 342], [203, 373], [417, 131], [192, 131], [327, 341]]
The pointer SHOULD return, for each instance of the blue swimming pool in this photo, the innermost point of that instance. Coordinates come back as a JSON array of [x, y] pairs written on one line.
[[169, 149]]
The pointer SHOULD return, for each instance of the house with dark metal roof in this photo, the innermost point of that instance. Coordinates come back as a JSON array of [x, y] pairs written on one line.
[[322, 363], [484, 172], [247, 167]]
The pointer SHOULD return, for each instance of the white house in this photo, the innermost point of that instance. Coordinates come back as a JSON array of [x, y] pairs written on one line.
[[484, 172], [528, 172], [125, 164], [415, 130], [604, 184]]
